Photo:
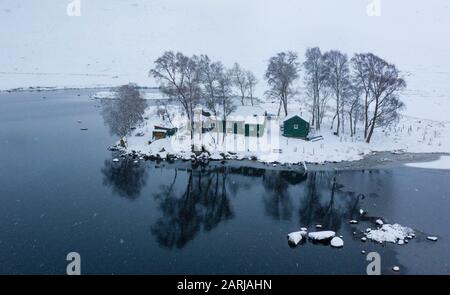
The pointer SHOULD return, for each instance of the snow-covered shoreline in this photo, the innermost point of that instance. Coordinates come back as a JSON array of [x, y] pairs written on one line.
[[410, 136]]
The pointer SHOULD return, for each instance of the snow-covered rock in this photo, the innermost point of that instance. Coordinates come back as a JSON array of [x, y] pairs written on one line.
[[337, 242], [363, 239], [396, 268], [115, 160], [322, 235], [353, 221], [296, 237], [379, 222], [318, 225], [430, 238], [303, 229], [389, 233]]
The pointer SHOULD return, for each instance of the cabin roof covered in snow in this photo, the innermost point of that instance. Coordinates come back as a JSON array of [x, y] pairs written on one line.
[[295, 115]]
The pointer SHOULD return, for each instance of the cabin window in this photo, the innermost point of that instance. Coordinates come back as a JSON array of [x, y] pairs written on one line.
[[295, 126]]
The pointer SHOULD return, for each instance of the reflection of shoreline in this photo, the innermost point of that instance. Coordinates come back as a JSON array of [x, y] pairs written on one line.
[[197, 198]]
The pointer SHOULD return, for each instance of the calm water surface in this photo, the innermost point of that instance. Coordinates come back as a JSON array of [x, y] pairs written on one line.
[[60, 192]]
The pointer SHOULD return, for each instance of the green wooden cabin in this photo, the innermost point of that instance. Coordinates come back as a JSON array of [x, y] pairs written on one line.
[[295, 126]]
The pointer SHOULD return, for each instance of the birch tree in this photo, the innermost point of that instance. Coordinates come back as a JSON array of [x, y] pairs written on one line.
[[281, 73], [124, 112], [179, 78], [316, 84], [338, 78]]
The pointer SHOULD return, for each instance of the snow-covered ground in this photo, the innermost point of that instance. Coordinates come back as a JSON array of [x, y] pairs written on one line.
[[410, 135], [442, 163]]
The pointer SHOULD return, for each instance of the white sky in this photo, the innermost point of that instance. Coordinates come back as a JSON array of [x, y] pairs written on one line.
[[118, 37]]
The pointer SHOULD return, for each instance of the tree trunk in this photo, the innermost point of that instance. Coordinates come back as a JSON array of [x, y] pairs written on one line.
[[338, 117], [351, 127], [366, 117], [374, 120]]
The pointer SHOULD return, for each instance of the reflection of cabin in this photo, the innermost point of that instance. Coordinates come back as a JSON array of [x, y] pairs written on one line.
[[248, 121], [295, 126]]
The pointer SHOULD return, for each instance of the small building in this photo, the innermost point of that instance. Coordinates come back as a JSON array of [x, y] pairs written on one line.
[[295, 126], [246, 120]]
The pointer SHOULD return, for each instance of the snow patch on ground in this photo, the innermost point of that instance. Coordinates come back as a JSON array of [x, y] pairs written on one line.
[[442, 163]]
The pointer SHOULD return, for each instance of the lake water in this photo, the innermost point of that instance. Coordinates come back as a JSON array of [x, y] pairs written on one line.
[[60, 192]]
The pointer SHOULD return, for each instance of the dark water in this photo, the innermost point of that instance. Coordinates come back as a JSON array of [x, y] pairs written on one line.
[[60, 192]]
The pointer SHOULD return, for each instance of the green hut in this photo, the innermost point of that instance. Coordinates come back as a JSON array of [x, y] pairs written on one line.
[[295, 126]]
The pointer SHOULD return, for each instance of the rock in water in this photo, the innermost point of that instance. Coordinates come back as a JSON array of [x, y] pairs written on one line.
[[296, 237], [396, 268], [434, 239], [389, 233], [322, 235], [337, 242]]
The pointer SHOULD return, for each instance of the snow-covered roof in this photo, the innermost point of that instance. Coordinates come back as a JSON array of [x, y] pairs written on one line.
[[245, 119], [294, 115], [248, 111]]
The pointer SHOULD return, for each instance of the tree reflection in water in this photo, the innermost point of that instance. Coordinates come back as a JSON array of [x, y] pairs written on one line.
[[325, 203], [198, 198], [203, 205], [125, 177], [277, 200]]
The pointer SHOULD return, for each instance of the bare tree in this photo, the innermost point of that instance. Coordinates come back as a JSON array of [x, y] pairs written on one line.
[[225, 92], [381, 83], [316, 84], [282, 71], [179, 78], [354, 108], [124, 111], [384, 87], [338, 76], [362, 79], [210, 72], [251, 83], [240, 80]]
